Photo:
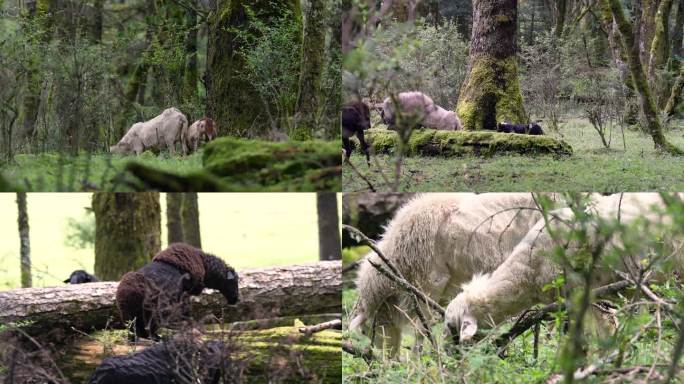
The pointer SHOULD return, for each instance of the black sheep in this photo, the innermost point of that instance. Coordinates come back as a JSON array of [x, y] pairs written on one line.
[[157, 292], [176, 361], [523, 129], [355, 119], [80, 276]]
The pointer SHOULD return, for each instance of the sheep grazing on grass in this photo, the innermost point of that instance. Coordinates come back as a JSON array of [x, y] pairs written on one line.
[[163, 131], [418, 108], [523, 129], [176, 361], [438, 242], [157, 292], [355, 119], [80, 276], [203, 130], [517, 283]]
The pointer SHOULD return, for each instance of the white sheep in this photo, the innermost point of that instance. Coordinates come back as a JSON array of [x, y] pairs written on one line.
[[161, 131], [517, 283], [438, 242], [420, 108]]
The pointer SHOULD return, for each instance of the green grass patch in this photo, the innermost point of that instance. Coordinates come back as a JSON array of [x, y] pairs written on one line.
[[103, 171], [590, 168]]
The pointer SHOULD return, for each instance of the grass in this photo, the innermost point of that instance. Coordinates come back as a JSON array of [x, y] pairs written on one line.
[[479, 363], [248, 230], [56, 172], [590, 168]]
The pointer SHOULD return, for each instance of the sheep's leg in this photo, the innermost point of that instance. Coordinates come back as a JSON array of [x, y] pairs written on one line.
[[347, 147], [364, 145], [388, 338]]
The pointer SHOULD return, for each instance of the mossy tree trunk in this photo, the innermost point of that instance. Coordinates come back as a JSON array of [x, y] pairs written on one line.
[[313, 50], [677, 37], [676, 93], [328, 226], [646, 27], [660, 49], [190, 74], [561, 6], [333, 72], [491, 91], [232, 101], [174, 222], [190, 216], [127, 231], [24, 240], [647, 103]]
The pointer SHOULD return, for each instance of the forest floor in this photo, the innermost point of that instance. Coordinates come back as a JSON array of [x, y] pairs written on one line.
[[591, 167], [479, 363], [47, 172]]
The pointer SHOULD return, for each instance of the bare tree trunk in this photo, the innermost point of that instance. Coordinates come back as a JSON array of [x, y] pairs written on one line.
[[677, 36], [190, 75], [491, 91], [190, 218], [127, 232], [264, 293], [328, 226], [25, 244], [648, 106], [174, 222]]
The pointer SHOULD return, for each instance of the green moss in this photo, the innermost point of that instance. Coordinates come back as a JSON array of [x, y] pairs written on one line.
[[491, 94], [430, 142]]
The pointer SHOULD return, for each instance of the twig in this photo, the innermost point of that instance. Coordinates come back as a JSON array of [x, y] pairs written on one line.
[[366, 354], [351, 266], [409, 287], [530, 318], [337, 324], [361, 175]]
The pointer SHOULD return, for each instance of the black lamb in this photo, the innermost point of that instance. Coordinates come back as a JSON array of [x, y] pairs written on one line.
[[157, 292], [80, 276], [355, 119], [523, 129]]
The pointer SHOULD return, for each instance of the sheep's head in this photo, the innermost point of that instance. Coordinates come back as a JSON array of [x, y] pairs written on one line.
[[461, 323], [229, 286]]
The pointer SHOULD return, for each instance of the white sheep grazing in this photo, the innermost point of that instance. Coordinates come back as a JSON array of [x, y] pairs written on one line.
[[517, 283], [438, 242], [202, 130], [420, 108], [164, 130]]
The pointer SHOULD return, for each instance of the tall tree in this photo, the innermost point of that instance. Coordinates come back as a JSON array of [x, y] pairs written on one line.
[[190, 74], [127, 231], [647, 28], [647, 103], [232, 101], [329, 246], [491, 91], [561, 10], [24, 241], [660, 46], [174, 221], [677, 36], [313, 49], [190, 217]]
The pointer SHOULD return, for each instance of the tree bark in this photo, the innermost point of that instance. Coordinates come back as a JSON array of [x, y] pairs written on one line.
[[648, 106], [264, 293], [190, 218], [232, 101], [677, 37], [370, 212], [313, 50], [328, 226], [491, 91], [676, 93], [660, 48], [174, 221], [190, 74], [647, 27], [25, 244], [127, 232], [561, 6]]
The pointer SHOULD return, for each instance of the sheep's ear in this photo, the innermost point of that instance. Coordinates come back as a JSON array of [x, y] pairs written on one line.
[[468, 328], [356, 322], [67, 280]]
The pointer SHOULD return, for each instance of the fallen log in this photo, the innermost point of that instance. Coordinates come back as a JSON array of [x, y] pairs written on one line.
[[264, 293], [370, 212], [430, 142]]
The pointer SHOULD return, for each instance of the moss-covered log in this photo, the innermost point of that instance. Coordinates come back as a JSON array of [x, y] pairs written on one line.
[[264, 293], [232, 100], [232, 164], [281, 354], [491, 91], [430, 142]]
